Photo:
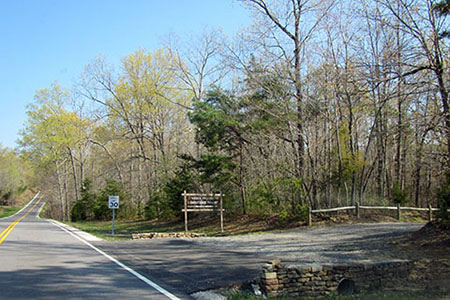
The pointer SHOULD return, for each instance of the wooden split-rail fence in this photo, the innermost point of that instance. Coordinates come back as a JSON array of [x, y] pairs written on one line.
[[358, 207]]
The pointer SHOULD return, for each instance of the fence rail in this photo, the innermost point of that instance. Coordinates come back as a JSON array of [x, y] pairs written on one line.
[[358, 207]]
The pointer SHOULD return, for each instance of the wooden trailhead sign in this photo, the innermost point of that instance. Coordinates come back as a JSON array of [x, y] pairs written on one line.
[[202, 202]]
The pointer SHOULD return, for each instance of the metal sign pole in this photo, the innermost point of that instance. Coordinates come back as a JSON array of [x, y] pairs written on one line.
[[113, 217], [113, 203]]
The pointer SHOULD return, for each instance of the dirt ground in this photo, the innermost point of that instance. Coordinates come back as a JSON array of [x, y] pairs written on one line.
[[429, 248], [245, 224]]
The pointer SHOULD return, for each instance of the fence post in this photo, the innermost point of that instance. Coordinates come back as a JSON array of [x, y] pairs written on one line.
[[398, 211], [185, 212], [430, 213], [221, 212], [309, 216], [357, 209]]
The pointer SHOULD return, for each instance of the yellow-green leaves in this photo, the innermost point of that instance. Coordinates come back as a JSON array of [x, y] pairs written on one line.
[[51, 128]]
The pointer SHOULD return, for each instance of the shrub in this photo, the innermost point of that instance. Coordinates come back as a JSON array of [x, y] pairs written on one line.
[[83, 208], [300, 212], [398, 195], [78, 212], [168, 202], [101, 210]]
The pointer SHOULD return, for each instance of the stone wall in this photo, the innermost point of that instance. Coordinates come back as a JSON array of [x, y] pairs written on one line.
[[313, 280], [163, 235]]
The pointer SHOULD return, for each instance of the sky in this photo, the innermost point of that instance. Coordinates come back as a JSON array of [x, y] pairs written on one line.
[[43, 41]]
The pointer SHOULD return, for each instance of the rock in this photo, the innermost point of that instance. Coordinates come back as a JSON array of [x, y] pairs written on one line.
[[270, 275], [256, 290], [207, 295], [158, 235]]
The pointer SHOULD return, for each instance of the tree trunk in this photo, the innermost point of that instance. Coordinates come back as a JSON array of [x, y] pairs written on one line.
[[241, 178], [74, 173], [60, 190]]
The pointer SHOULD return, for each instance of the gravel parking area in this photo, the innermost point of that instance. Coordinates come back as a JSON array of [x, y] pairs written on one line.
[[188, 265], [340, 243]]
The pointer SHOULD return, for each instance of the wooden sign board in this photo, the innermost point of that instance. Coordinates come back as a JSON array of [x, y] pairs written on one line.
[[202, 202]]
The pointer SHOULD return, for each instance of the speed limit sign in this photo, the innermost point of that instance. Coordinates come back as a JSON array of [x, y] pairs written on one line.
[[113, 202]]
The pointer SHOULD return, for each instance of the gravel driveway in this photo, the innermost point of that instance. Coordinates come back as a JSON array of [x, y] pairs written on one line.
[[187, 265], [358, 242]]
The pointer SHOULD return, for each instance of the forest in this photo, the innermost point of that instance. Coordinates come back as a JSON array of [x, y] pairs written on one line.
[[317, 103]]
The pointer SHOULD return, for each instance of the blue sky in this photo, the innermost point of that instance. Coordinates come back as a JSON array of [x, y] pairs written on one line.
[[42, 41]]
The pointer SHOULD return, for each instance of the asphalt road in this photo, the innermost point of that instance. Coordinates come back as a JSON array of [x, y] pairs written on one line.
[[185, 266], [39, 260]]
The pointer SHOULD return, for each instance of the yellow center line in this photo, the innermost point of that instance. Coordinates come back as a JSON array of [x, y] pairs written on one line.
[[8, 229]]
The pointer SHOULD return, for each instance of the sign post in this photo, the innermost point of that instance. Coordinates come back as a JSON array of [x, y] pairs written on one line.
[[113, 203], [185, 212], [200, 203]]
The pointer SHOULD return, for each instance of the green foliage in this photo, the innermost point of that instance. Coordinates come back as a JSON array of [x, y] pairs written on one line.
[[94, 206], [262, 199], [84, 208], [51, 130], [78, 212], [218, 119], [265, 104], [291, 189], [297, 211], [300, 212], [215, 169], [443, 197], [242, 295], [221, 125], [351, 162], [158, 207], [284, 196], [398, 195], [13, 173], [22, 189], [168, 202], [183, 180], [8, 211], [101, 210]]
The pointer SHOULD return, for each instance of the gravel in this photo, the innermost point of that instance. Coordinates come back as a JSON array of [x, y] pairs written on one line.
[[340, 243]]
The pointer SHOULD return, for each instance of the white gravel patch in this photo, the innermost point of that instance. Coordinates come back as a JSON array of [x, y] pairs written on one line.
[[357, 242]]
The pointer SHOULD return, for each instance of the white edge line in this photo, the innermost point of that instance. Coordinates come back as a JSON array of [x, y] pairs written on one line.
[[82, 234], [141, 277]]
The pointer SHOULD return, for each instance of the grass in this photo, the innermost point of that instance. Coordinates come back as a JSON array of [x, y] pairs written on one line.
[[205, 224], [6, 211], [124, 229]]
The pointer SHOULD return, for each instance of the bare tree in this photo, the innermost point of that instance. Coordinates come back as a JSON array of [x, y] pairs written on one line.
[[288, 27], [417, 19]]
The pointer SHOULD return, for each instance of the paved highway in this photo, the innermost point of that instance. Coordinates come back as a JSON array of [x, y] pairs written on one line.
[[39, 260]]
